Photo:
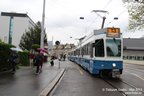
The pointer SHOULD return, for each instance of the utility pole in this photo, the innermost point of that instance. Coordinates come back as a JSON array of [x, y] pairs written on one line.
[[42, 31]]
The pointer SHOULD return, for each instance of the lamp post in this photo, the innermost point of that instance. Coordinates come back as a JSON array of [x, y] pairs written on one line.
[[42, 31]]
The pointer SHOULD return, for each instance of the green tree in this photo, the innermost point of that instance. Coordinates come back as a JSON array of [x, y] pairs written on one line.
[[32, 36], [0, 40], [35, 46], [136, 14]]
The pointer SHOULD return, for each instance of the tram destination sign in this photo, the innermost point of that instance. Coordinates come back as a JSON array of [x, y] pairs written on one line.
[[113, 32]]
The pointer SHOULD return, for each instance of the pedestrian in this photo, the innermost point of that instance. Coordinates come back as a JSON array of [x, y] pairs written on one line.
[[31, 57], [14, 56], [52, 58], [64, 56], [37, 58], [42, 58]]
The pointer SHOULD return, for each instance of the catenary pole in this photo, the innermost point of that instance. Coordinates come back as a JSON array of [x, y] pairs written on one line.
[[42, 31]]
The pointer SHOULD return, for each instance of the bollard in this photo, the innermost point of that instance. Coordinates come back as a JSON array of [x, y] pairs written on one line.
[[59, 64]]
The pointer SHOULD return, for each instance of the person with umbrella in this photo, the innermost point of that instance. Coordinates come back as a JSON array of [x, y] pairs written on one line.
[[14, 56], [42, 58]]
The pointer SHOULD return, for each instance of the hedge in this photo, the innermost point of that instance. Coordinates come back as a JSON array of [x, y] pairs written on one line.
[[23, 57], [5, 53]]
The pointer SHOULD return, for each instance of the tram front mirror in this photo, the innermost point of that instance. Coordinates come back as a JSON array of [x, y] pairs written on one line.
[[93, 44], [114, 39]]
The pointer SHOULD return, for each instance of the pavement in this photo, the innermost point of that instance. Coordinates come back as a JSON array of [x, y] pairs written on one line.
[[136, 62], [25, 82]]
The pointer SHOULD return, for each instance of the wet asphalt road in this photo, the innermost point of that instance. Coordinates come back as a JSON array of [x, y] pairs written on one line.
[[25, 82], [79, 82]]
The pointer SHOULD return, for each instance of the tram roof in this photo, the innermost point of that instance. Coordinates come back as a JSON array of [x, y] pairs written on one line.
[[98, 32]]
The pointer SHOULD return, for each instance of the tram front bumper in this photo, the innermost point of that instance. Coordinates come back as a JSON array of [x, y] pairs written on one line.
[[115, 73]]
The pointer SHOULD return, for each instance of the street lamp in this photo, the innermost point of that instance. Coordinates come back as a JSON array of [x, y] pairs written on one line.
[[42, 31]]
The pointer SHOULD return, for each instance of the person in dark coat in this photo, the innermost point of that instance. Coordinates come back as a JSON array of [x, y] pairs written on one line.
[[64, 56], [52, 58], [38, 59], [14, 56]]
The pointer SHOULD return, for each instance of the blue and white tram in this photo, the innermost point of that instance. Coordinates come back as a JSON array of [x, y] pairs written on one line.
[[101, 52]]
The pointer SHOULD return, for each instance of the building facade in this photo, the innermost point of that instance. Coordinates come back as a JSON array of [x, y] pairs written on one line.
[[133, 48], [62, 49], [13, 25]]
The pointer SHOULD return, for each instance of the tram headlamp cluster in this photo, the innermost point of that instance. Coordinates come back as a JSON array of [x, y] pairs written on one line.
[[114, 65]]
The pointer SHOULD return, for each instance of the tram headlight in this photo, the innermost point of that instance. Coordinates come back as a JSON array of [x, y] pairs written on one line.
[[114, 65]]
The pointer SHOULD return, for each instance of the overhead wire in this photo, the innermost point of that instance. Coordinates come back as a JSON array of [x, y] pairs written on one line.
[[98, 16], [117, 16]]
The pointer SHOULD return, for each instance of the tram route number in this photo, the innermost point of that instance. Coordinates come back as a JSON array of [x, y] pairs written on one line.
[[113, 32]]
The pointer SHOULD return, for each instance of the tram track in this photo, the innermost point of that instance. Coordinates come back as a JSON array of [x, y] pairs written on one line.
[[123, 92]]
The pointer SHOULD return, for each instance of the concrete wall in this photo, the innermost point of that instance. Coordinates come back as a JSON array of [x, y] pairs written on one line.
[[4, 28], [20, 24]]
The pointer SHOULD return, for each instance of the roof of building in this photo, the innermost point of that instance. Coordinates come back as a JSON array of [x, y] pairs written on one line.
[[133, 43], [15, 14]]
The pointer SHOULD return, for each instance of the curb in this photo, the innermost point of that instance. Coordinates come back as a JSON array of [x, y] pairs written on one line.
[[48, 89]]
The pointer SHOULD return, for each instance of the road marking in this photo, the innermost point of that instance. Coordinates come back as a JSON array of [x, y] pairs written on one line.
[[138, 76], [81, 72], [78, 69]]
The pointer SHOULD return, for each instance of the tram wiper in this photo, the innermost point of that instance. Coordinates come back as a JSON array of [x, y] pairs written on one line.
[[114, 39], [96, 43]]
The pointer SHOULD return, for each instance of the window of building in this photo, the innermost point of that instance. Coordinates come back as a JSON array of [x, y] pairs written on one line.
[[11, 30]]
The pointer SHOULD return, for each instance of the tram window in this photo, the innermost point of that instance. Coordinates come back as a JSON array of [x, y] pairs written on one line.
[[113, 47], [74, 53], [78, 52], [88, 49], [99, 48], [84, 50]]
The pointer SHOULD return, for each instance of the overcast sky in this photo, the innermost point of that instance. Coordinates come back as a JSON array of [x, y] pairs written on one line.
[[62, 16]]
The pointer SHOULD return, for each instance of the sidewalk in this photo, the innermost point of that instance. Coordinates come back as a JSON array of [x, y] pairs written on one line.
[[136, 62], [26, 83]]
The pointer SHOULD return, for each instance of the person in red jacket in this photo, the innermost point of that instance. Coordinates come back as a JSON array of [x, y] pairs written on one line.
[[42, 58], [31, 57]]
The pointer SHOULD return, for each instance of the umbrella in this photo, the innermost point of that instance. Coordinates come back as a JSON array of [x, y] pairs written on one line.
[[43, 50], [16, 49]]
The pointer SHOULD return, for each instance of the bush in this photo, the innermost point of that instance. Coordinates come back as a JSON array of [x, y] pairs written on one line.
[[4, 55], [23, 57], [35, 46], [0, 40]]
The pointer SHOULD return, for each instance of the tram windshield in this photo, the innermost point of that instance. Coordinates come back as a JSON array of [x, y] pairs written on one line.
[[113, 47]]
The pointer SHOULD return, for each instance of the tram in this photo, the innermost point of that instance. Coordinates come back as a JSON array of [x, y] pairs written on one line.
[[101, 52]]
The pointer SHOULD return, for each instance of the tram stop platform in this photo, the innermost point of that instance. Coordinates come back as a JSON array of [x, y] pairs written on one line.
[[25, 82]]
